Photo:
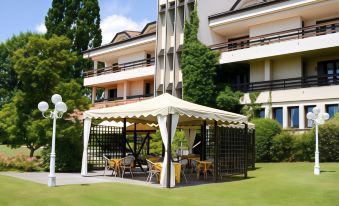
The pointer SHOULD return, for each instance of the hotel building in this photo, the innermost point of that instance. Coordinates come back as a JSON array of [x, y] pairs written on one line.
[[287, 50]]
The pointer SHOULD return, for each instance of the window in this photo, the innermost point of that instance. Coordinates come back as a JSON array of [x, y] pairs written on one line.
[[112, 94], [328, 72], [308, 123], [278, 114], [293, 116], [261, 113], [148, 89], [332, 109]]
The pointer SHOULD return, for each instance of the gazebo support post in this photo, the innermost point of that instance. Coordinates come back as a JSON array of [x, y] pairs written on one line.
[[124, 140], [203, 141], [135, 139], [246, 150], [169, 149], [216, 152], [148, 142]]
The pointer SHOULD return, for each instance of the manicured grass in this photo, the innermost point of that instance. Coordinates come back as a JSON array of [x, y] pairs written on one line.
[[270, 184], [12, 152]]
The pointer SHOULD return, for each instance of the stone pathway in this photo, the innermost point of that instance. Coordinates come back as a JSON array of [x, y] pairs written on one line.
[[77, 179]]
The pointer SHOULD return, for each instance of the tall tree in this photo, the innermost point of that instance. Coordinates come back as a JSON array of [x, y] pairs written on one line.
[[8, 77], [79, 20], [43, 67], [198, 66]]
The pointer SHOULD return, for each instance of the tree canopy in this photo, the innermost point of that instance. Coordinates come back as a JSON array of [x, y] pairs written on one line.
[[79, 20], [43, 67], [198, 66], [8, 77]]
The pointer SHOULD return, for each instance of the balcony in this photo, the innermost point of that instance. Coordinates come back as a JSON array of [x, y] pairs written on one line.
[[120, 67], [128, 71], [102, 103], [291, 83], [315, 37]]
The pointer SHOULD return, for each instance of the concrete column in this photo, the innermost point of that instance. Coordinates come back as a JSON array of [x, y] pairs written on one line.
[[301, 117], [95, 67], [285, 117], [126, 88], [94, 94], [322, 107], [268, 69]]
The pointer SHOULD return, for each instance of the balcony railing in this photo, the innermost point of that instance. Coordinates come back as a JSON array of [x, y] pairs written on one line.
[[142, 96], [299, 33], [120, 67], [291, 83]]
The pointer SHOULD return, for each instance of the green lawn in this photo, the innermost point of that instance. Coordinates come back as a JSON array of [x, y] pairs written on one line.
[[12, 152], [271, 184]]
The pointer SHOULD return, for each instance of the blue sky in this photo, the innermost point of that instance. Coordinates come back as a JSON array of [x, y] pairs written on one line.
[[116, 15]]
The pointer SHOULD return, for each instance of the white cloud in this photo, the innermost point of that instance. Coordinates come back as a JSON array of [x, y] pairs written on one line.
[[117, 23], [41, 28]]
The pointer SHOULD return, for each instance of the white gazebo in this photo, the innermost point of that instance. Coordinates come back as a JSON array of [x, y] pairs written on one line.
[[168, 112]]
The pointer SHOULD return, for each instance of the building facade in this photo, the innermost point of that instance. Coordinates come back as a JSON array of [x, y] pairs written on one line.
[[286, 50], [123, 70]]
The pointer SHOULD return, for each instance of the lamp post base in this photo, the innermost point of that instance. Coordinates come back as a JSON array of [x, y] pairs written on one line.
[[51, 181], [316, 170]]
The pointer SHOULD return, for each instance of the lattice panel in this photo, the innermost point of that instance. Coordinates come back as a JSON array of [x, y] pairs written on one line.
[[232, 150], [106, 141]]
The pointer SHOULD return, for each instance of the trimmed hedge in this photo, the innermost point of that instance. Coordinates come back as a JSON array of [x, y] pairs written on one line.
[[274, 145], [265, 130]]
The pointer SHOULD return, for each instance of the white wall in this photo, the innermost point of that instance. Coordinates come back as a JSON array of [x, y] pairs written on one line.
[[288, 67], [132, 57], [276, 26], [136, 87], [257, 72], [206, 9], [282, 48], [119, 76]]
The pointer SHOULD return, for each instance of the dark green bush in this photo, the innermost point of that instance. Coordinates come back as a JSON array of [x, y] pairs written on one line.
[[329, 141], [304, 147], [68, 149], [265, 130], [283, 147]]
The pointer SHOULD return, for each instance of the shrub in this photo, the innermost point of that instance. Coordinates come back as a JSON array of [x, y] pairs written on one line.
[[304, 147], [68, 149], [265, 129], [283, 147], [329, 141], [19, 162]]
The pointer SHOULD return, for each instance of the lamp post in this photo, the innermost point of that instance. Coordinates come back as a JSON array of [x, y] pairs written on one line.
[[59, 110], [317, 118]]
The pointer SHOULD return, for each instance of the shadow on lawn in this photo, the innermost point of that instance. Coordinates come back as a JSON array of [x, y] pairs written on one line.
[[324, 171]]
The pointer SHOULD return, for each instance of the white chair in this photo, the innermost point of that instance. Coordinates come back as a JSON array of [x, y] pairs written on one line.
[[152, 171], [184, 164], [109, 166], [127, 163]]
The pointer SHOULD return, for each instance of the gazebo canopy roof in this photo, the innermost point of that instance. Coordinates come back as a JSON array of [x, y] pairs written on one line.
[[147, 111]]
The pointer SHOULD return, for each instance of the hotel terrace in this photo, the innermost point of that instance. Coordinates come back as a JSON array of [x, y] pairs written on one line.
[[285, 49]]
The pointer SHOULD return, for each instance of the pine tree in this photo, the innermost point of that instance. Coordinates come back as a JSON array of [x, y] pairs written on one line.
[[198, 66], [79, 20]]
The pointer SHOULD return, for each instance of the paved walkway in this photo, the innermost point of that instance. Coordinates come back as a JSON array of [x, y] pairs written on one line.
[[77, 179]]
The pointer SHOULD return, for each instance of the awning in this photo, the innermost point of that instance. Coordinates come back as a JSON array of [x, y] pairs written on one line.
[[147, 111]]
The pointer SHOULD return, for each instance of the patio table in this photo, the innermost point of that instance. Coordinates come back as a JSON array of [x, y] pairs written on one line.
[[177, 169], [116, 164], [203, 166]]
